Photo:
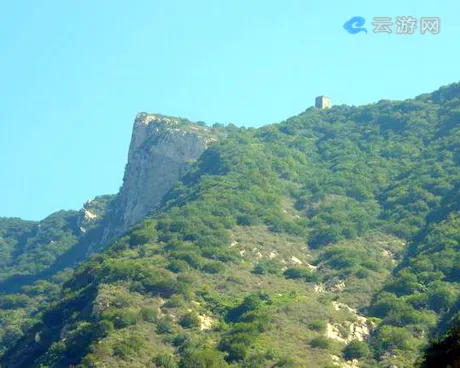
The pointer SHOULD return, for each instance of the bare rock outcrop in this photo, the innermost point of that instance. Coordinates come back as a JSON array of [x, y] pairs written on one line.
[[162, 149]]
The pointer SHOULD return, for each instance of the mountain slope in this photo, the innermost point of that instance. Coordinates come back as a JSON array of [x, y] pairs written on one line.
[[280, 246], [36, 256]]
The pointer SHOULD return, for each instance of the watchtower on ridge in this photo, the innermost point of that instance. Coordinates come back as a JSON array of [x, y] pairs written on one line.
[[322, 102]]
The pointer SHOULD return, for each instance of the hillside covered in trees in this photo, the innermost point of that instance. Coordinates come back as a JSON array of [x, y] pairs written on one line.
[[330, 239]]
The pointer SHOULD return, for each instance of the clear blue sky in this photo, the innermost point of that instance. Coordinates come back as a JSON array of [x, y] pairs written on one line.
[[73, 74]]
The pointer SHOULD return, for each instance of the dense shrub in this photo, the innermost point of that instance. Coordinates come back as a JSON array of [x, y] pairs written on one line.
[[318, 325], [355, 350], [300, 273], [178, 265], [268, 267], [164, 360], [165, 326], [149, 314], [145, 233], [206, 358], [190, 320], [320, 342], [213, 267]]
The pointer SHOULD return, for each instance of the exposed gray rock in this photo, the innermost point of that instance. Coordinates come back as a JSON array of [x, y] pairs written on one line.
[[162, 149]]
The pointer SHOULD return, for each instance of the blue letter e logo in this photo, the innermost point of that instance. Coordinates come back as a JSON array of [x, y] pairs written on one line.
[[355, 25]]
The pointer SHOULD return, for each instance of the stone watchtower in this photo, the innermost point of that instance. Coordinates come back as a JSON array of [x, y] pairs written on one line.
[[322, 102]]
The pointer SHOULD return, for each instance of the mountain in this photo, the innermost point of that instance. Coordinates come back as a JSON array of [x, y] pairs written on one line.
[[162, 149], [30, 249], [330, 239]]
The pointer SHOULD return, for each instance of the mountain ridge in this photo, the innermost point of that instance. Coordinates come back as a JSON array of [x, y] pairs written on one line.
[[292, 224]]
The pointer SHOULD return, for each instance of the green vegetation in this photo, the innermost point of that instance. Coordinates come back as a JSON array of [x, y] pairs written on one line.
[[320, 343], [355, 350], [278, 248], [443, 353], [34, 262]]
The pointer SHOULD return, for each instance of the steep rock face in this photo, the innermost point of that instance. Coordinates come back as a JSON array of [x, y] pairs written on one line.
[[162, 149], [93, 212]]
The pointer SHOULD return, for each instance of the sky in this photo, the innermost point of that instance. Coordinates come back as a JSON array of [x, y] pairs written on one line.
[[73, 75]]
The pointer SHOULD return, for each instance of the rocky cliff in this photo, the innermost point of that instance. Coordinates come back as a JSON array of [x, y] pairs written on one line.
[[162, 149]]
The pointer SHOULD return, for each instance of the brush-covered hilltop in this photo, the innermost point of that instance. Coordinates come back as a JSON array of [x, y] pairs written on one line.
[[331, 239]]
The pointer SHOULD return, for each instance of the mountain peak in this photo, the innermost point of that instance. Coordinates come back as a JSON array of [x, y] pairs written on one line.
[[162, 149], [144, 118]]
